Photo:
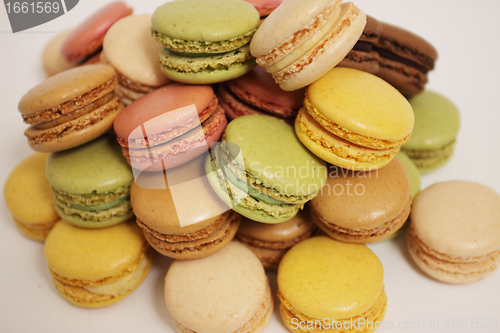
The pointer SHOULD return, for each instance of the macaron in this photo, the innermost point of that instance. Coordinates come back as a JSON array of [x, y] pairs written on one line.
[[130, 49], [270, 242], [170, 126], [302, 39], [265, 7], [363, 207], [405, 59], [205, 41], [52, 59], [91, 184], [437, 122], [225, 292], [96, 268], [85, 41], [70, 108], [325, 286], [354, 120], [180, 215], [28, 197], [363, 55], [262, 170], [454, 234], [257, 93], [413, 173]]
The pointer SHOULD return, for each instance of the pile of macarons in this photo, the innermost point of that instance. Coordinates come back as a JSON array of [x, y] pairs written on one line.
[[300, 140]]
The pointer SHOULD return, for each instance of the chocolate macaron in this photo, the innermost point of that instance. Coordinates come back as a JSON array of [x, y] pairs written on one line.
[[170, 126], [363, 207], [70, 108]]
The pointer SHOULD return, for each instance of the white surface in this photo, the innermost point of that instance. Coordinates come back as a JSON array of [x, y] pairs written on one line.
[[467, 71]]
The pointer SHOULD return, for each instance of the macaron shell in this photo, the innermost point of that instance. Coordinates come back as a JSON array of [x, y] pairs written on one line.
[[93, 254], [53, 61], [160, 208], [167, 99], [88, 36], [96, 167], [238, 286], [270, 149], [322, 278], [458, 218], [198, 20], [362, 103], [64, 87], [413, 173], [132, 51], [363, 200], [437, 121]]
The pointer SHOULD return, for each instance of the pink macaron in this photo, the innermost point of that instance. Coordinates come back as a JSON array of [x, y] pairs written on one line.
[[85, 41], [257, 93], [265, 7], [170, 126]]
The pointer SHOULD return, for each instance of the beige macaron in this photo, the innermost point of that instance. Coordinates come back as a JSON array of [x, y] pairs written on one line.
[[52, 58], [28, 197], [226, 292], [363, 207], [130, 49], [180, 215], [270, 242], [454, 234]]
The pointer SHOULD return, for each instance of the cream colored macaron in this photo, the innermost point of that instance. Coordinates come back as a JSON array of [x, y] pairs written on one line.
[[28, 197], [52, 58], [226, 292], [454, 233], [93, 268]]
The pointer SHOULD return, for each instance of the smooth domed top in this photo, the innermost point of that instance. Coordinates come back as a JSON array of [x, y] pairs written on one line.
[[322, 278], [362, 103], [93, 254], [205, 20], [273, 154], [458, 218], [219, 293], [64, 87], [437, 121], [95, 167]]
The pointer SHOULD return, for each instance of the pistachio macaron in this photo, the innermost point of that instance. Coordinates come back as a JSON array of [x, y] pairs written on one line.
[[93, 268], [332, 285], [363, 207], [70, 108], [91, 184], [205, 41], [172, 224], [226, 292], [437, 122], [413, 173], [354, 120], [454, 234], [28, 197], [262, 170], [270, 242]]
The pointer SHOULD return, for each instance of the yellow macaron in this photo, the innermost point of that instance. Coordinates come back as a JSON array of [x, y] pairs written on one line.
[[28, 197], [354, 120], [324, 284], [93, 268]]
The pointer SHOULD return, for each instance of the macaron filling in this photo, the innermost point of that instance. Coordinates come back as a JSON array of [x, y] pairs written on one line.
[[427, 160], [191, 46], [94, 214], [275, 245]]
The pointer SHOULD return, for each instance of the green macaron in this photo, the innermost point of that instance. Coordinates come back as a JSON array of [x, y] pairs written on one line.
[[205, 41], [437, 121], [413, 173], [263, 171], [91, 184]]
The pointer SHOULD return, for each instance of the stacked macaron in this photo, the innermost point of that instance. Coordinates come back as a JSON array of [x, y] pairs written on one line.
[[205, 42]]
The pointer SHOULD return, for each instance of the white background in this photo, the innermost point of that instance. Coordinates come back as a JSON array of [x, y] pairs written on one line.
[[467, 71]]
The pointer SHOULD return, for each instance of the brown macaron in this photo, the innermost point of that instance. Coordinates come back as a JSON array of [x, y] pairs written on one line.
[[70, 108], [183, 220], [270, 242], [363, 207]]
